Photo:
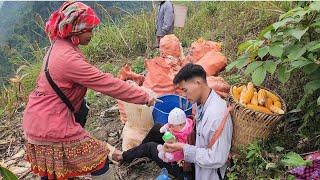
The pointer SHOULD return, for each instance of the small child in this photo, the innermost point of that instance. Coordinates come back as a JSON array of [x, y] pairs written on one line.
[[178, 128]]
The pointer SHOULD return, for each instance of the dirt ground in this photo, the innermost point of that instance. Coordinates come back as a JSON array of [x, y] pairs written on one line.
[[103, 123]]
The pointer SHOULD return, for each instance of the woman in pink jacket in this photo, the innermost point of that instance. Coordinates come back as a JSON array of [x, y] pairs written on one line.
[[57, 146]]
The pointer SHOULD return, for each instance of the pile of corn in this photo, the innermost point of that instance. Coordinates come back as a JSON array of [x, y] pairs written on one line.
[[263, 100]]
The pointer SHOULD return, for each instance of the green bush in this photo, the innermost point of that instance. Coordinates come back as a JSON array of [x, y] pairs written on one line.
[[285, 48]]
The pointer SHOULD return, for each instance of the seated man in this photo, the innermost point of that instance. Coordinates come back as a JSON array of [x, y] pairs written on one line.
[[210, 163]]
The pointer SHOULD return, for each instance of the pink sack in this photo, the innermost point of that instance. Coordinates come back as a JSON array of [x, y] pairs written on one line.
[[213, 62], [219, 85]]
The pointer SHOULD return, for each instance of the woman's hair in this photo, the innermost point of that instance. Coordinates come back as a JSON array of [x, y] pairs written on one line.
[[189, 72]]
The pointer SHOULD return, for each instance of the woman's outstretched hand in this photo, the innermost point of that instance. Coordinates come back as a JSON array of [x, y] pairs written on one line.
[[151, 102]]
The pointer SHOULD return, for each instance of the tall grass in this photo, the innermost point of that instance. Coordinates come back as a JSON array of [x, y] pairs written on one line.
[[23, 82], [130, 39]]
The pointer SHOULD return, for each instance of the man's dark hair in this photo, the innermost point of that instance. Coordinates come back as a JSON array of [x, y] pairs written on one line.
[[190, 71]]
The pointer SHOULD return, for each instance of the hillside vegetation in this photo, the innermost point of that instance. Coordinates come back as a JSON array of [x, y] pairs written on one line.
[[252, 34]]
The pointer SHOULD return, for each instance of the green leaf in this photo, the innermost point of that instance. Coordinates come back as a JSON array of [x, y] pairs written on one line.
[[281, 23], [310, 68], [316, 24], [296, 14], [318, 101], [294, 111], [302, 101], [298, 33], [250, 154], [231, 65], [244, 46], [270, 66], [316, 47], [242, 61], [266, 32], [295, 160], [284, 75], [251, 44], [315, 75], [312, 86], [253, 66], [259, 75], [239, 63], [263, 51], [291, 177], [267, 35], [300, 63], [276, 50], [315, 6], [6, 174], [297, 53]]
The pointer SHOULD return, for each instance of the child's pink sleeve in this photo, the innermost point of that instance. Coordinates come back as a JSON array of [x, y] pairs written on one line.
[[164, 128]]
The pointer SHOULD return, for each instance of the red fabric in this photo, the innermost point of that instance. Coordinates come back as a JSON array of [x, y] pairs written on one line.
[[61, 161], [71, 19]]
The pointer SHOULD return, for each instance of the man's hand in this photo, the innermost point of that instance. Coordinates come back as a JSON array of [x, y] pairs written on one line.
[[173, 147]]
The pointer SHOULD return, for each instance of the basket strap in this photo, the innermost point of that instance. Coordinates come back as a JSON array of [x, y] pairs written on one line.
[[218, 132]]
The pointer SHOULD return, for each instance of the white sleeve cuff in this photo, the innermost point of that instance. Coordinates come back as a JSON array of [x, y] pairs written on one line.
[[189, 153]]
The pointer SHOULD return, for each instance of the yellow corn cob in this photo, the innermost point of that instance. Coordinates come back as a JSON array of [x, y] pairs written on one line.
[[259, 108], [242, 95], [247, 96], [262, 95], [276, 110], [236, 93], [254, 99], [241, 88], [277, 104], [269, 103], [272, 96]]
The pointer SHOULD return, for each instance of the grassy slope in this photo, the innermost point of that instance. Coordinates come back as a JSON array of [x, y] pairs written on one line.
[[131, 40]]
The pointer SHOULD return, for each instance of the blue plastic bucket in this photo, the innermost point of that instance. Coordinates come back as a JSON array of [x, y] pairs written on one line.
[[161, 110]]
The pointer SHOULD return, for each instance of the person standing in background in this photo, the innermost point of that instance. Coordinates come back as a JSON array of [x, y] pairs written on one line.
[[164, 21]]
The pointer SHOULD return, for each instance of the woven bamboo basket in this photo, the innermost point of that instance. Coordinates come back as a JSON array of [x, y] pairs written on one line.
[[249, 125]]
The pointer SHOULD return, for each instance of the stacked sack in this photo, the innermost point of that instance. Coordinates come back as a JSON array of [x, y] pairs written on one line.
[[208, 55], [159, 80], [161, 70]]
